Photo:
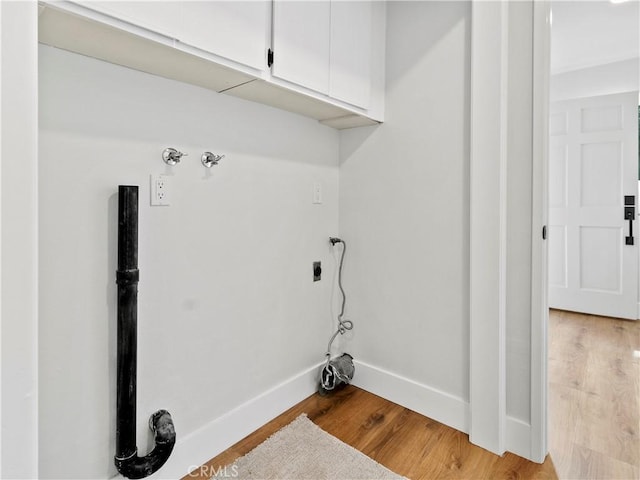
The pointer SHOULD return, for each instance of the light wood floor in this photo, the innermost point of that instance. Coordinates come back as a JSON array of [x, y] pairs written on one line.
[[594, 410], [400, 439], [594, 396]]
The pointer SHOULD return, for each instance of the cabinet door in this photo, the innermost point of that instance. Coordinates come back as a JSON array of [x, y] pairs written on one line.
[[236, 30], [301, 43], [350, 61], [159, 17]]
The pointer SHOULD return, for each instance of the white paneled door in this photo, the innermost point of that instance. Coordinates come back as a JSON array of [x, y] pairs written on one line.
[[593, 187]]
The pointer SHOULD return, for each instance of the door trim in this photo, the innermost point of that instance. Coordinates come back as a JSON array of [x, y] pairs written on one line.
[[488, 225], [19, 239], [540, 213], [489, 425]]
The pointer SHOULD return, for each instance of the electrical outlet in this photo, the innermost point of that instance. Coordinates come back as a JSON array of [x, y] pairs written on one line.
[[317, 271], [317, 193], [160, 190]]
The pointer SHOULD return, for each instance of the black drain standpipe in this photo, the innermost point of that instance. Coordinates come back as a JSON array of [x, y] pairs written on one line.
[[127, 460]]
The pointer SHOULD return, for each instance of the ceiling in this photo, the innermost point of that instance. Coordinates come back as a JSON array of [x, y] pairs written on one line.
[[589, 33]]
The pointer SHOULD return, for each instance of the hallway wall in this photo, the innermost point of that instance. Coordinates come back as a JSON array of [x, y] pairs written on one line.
[[617, 77]]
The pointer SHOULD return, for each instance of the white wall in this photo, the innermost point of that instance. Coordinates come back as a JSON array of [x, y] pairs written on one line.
[[405, 211], [606, 79], [227, 306], [19, 313], [404, 206]]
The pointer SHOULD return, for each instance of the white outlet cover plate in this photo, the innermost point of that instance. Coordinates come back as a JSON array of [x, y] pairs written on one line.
[[317, 193], [160, 190]]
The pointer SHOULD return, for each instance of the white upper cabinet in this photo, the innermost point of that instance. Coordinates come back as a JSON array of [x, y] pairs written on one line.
[[236, 30], [351, 46], [328, 55], [159, 17], [325, 46], [301, 43]]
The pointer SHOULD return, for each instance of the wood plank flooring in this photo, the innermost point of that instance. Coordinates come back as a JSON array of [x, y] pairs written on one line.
[[594, 417], [594, 396], [398, 438]]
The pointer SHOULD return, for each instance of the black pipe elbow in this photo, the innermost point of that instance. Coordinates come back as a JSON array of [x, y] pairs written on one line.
[[161, 424]]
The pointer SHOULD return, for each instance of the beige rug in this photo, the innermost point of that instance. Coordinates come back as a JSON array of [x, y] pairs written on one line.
[[302, 450]]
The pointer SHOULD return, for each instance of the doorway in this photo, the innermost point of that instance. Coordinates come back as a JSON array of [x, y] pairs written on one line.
[[593, 242], [593, 148]]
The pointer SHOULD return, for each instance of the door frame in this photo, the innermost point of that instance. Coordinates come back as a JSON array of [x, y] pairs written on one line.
[[19, 239], [539, 221], [490, 427]]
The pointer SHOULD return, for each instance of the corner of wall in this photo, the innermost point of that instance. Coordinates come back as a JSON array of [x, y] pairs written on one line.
[[440, 406], [218, 435]]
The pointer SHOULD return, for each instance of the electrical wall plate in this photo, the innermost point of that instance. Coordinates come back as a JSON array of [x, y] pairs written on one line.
[[317, 193], [160, 190], [317, 271]]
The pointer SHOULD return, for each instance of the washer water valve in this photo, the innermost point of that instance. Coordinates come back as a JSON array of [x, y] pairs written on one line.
[[171, 156], [209, 159]]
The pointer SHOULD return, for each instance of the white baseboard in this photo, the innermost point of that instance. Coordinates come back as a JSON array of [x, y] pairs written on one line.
[[445, 408], [200, 446]]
